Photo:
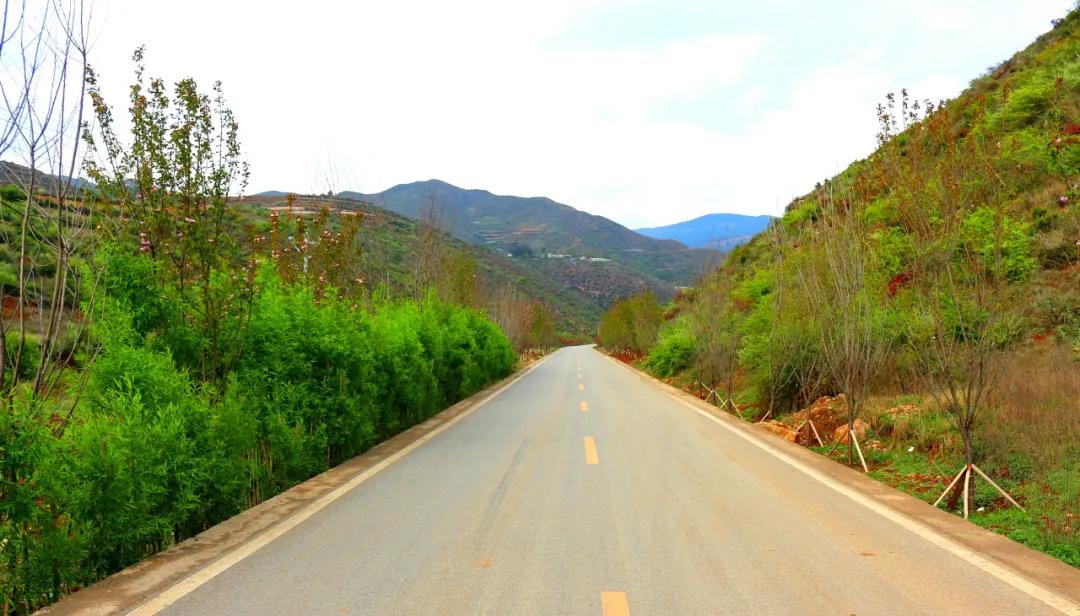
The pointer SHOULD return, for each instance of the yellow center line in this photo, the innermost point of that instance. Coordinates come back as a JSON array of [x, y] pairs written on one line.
[[581, 387], [614, 604], [590, 451], [584, 406]]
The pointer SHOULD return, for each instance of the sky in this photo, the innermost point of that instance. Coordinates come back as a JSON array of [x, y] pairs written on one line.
[[647, 112]]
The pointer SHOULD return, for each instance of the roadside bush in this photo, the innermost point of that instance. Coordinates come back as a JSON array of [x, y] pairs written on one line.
[[153, 456], [40, 549], [672, 354]]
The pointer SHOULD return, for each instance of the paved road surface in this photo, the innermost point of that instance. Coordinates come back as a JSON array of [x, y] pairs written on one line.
[[584, 489]]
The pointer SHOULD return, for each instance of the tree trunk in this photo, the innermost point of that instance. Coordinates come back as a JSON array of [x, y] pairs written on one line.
[[969, 460]]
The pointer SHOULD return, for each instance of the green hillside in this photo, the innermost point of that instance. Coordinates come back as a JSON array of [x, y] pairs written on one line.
[[936, 285], [388, 246]]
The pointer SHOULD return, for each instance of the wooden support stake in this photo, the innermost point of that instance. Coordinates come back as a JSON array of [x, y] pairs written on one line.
[[967, 484], [949, 489], [997, 487], [734, 407], [855, 440], [816, 435], [762, 420], [800, 426]]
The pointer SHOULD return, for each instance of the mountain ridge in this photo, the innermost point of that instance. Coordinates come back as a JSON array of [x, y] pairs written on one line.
[[540, 227], [721, 231]]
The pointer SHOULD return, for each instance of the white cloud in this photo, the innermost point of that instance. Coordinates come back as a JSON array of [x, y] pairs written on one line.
[[366, 95]]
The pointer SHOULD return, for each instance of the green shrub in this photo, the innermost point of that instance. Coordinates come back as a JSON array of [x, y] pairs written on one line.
[[40, 547], [673, 353], [893, 250], [11, 192], [31, 355], [1070, 74], [805, 210], [1001, 243], [1028, 102]]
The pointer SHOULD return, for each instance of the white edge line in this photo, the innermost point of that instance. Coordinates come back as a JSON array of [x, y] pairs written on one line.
[[204, 575], [1018, 582]]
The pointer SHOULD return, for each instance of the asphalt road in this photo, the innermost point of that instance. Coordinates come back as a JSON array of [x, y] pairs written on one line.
[[584, 489]]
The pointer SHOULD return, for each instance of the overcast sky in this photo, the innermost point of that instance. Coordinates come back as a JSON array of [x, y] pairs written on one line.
[[647, 112]]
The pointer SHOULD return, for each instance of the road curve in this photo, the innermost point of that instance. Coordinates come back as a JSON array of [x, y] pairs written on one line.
[[584, 489]]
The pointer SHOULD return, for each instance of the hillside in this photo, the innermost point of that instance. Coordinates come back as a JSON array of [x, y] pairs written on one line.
[[538, 226], [388, 241], [716, 231], [934, 289]]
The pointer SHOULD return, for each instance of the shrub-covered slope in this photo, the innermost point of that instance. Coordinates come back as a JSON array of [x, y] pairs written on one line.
[[941, 274]]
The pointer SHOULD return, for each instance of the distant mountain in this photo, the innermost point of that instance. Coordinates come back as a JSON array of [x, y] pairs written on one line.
[[537, 228], [717, 231], [270, 193]]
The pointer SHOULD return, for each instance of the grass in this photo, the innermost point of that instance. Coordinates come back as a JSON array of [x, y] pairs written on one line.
[[1049, 525], [1029, 442]]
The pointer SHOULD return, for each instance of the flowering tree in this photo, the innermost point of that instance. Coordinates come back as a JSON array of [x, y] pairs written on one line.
[[171, 187]]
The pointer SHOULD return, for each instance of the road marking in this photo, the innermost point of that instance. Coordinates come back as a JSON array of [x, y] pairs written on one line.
[[590, 451], [584, 406], [579, 376], [204, 575], [1049, 597], [614, 604], [581, 387]]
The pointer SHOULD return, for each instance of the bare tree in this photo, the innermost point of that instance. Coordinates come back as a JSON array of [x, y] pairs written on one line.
[[961, 321], [780, 345], [717, 340], [838, 283], [430, 248], [960, 328], [46, 53]]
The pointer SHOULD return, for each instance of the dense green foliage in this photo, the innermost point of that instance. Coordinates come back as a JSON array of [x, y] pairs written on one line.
[[153, 456], [220, 364], [672, 353]]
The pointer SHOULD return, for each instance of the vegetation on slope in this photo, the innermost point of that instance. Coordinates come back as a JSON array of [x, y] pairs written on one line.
[[936, 286], [389, 245]]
